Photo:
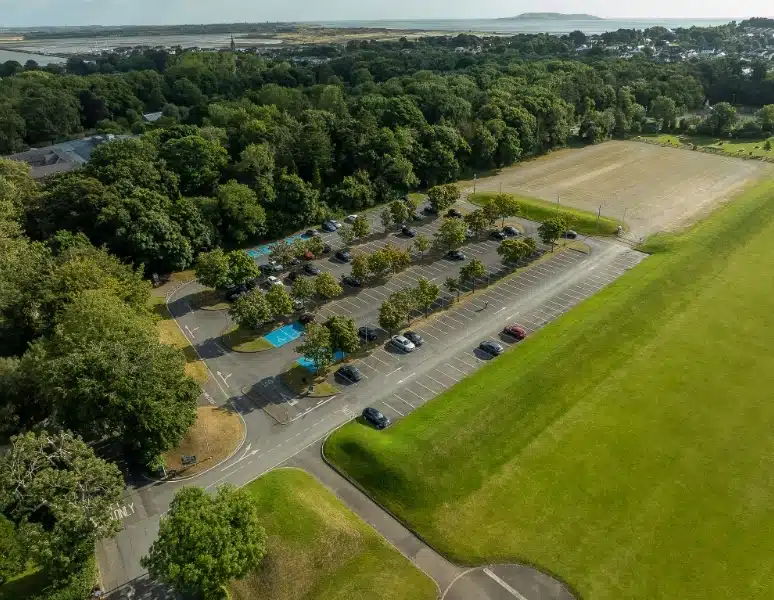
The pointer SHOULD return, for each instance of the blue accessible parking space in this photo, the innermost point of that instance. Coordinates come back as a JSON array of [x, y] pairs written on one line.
[[284, 335], [309, 365]]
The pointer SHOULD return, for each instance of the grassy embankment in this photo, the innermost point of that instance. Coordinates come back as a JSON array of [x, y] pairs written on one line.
[[540, 210], [318, 549], [730, 147], [169, 333], [626, 447]]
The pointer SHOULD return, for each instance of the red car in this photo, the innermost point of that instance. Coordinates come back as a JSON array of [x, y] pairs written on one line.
[[308, 255], [514, 330]]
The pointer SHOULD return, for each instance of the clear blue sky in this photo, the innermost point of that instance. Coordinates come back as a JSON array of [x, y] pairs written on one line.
[[147, 12]]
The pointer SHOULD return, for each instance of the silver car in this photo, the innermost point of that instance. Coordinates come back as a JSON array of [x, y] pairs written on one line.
[[402, 343]]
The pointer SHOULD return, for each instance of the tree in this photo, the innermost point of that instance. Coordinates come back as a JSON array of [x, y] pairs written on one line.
[[256, 165], [12, 552], [379, 263], [347, 235], [360, 268], [252, 310], [198, 162], [404, 301], [61, 497], [400, 212], [316, 347], [721, 119], [281, 252], [343, 334], [242, 218], [442, 197], [241, 267], [551, 230], [386, 218], [205, 542], [426, 294], [505, 206], [213, 269], [303, 289], [297, 201], [472, 271], [514, 250], [299, 246], [279, 300], [477, 221], [453, 285], [315, 245], [361, 226], [412, 202], [397, 258], [326, 286], [450, 235], [390, 317], [664, 110], [765, 117], [422, 244]]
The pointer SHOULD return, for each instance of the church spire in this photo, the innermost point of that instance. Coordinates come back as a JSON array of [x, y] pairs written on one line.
[[233, 43]]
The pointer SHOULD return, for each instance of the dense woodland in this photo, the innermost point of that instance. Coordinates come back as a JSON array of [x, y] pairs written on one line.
[[248, 148]]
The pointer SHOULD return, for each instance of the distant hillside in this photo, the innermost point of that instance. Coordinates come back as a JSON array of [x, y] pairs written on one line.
[[549, 16]]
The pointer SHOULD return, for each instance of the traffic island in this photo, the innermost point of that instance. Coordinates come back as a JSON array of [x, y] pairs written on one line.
[[216, 435], [169, 333], [247, 341], [209, 300], [301, 381]]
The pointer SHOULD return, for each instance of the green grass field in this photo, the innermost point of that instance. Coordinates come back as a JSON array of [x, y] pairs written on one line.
[[318, 549], [731, 147], [540, 210], [627, 447]]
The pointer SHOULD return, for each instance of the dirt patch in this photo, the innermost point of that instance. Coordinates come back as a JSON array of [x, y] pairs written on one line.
[[649, 187], [216, 433]]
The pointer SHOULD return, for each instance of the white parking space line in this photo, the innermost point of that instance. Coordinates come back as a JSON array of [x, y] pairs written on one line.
[[432, 391], [365, 364], [513, 592], [406, 389], [404, 401], [423, 333], [455, 368], [368, 293], [393, 408], [445, 374], [464, 362], [379, 360], [443, 386]]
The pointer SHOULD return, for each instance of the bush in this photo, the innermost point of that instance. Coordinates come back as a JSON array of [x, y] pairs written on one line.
[[77, 587]]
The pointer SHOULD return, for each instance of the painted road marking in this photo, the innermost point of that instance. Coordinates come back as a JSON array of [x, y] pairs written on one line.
[[395, 371], [405, 378], [404, 401], [395, 409], [503, 584], [122, 512]]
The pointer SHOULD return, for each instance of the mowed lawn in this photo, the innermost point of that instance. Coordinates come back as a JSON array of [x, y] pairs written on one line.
[[628, 447], [320, 550]]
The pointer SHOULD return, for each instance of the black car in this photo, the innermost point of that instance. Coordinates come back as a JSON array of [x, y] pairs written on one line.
[[306, 318], [408, 231], [497, 235], [292, 276], [453, 213], [351, 281], [456, 255], [327, 248], [414, 338], [350, 373], [491, 347], [267, 269], [294, 261], [311, 233], [329, 226], [237, 293], [344, 256], [510, 230], [310, 269], [368, 334], [570, 234], [429, 210], [376, 418]]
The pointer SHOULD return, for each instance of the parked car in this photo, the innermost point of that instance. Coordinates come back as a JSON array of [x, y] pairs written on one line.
[[350, 373], [344, 256], [329, 226], [369, 334], [311, 233], [275, 266], [306, 318], [415, 338], [429, 210], [416, 217], [266, 269], [237, 292], [337, 224], [294, 261], [515, 331], [402, 343], [351, 281], [469, 233], [408, 231], [327, 248], [298, 305], [272, 281], [351, 218], [511, 230], [453, 213], [292, 276], [308, 255], [375, 418], [310, 269], [491, 347], [497, 235], [456, 255], [570, 234]]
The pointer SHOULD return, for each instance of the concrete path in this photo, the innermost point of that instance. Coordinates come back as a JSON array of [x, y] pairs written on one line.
[[494, 582]]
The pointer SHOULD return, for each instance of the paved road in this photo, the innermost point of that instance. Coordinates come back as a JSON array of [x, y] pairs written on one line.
[[395, 383]]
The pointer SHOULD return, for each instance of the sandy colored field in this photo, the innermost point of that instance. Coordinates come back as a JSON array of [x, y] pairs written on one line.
[[650, 187]]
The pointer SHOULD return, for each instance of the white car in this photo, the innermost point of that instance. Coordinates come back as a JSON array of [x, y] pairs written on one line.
[[351, 219], [402, 343], [272, 280], [337, 224]]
